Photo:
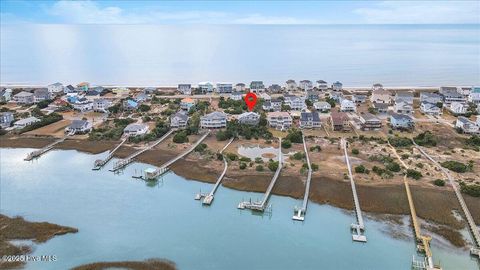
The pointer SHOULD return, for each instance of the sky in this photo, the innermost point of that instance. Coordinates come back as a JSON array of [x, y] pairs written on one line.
[[240, 12]]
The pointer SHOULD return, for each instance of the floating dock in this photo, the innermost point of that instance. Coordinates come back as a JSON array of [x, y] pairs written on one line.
[[359, 227], [300, 212], [99, 163], [262, 205], [155, 173], [124, 162], [38, 153], [475, 251], [210, 196]]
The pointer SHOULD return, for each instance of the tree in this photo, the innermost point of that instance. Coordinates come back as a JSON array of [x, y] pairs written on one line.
[[243, 166], [259, 168], [143, 108], [44, 103], [426, 139], [180, 137], [414, 174], [360, 169], [393, 166], [439, 182], [286, 144], [355, 151], [295, 136], [273, 165], [331, 101]]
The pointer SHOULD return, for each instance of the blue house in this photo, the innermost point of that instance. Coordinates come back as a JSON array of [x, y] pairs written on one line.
[[130, 105], [401, 121]]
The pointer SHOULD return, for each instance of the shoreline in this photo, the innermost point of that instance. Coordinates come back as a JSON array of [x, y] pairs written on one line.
[[386, 198]]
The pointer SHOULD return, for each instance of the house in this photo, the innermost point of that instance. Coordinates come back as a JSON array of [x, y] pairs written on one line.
[[322, 106], [240, 87], [152, 90], [24, 98], [25, 122], [401, 121], [272, 105], [135, 129], [130, 105], [279, 120], [121, 91], [213, 120], [405, 96], [179, 120], [142, 97], [313, 95], [430, 97], [290, 85], [41, 94], [478, 120], [6, 119], [377, 87], [467, 126], [306, 85], [92, 94], [450, 94], [465, 91], [474, 96], [322, 85], [458, 108], [79, 127], [337, 86], [336, 96], [83, 86], [380, 96], [370, 122], [295, 102], [274, 88], [309, 120], [101, 105], [83, 105], [257, 86], [185, 89], [357, 98], [224, 88], [205, 87], [380, 107], [249, 118], [68, 89], [187, 103], [55, 89], [339, 121], [236, 96], [347, 105], [5, 95], [264, 96], [403, 107], [430, 108]]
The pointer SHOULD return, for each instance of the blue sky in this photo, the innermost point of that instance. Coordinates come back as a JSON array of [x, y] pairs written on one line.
[[240, 12]]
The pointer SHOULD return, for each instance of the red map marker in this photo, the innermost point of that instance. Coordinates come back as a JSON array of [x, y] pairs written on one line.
[[251, 100]]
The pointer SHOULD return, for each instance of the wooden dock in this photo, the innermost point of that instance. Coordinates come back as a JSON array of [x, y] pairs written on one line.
[[124, 162], [471, 223], [99, 163], [262, 205], [299, 213], [164, 168], [359, 227], [38, 153], [210, 196]]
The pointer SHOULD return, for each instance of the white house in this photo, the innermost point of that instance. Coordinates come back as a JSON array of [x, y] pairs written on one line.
[[467, 126], [337, 86], [274, 88], [450, 94], [179, 120], [83, 105], [25, 122], [322, 106], [306, 85], [377, 87], [474, 96], [380, 96], [370, 122], [458, 108], [279, 120], [5, 95], [257, 86], [135, 129], [430, 97], [205, 87], [240, 87], [402, 106], [357, 98], [249, 118], [79, 127], [41, 94], [55, 88], [291, 85], [6, 119], [295, 102], [223, 87], [309, 120], [405, 96], [322, 85], [236, 96], [401, 121], [272, 105], [430, 108], [213, 120], [347, 105], [101, 105], [185, 89], [24, 98]]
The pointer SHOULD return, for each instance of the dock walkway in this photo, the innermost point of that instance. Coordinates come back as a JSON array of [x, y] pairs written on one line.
[[358, 227], [161, 170], [209, 198], [124, 162], [471, 223], [261, 205], [43, 150], [99, 163], [300, 212]]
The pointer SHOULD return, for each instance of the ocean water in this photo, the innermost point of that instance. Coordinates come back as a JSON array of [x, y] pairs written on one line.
[[121, 218], [357, 55]]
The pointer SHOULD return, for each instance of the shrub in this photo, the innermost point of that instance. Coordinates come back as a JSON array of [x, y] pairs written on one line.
[[355, 151], [273, 165], [400, 141], [426, 139], [419, 165], [314, 167], [259, 168], [144, 108], [232, 156], [456, 166], [201, 148], [414, 174], [245, 159], [294, 136], [405, 156], [243, 166], [298, 156], [360, 169], [258, 160], [439, 182], [472, 190], [286, 144], [180, 137], [393, 166], [316, 148], [382, 172], [219, 156]]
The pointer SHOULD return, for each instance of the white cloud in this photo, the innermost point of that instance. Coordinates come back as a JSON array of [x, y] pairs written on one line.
[[422, 12]]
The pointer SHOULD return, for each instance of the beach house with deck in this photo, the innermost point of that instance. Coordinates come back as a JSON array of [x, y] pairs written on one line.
[[310, 120], [79, 127], [185, 89], [322, 85], [135, 129], [257, 86], [179, 120], [467, 126], [213, 120], [279, 120], [24, 97], [291, 85]]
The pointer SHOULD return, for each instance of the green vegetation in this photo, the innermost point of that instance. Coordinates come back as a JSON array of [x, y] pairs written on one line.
[[439, 182], [259, 168], [298, 156], [201, 148], [161, 128], [286, 143], [330, 101], [372, 110], [472, 190], [393, 166], [143, 108], [243, 166], [232, 156], [355, 151], [382, 172], [258, 160], [44, 103], [400, 141], [426, 139], [109, 132], [236, 129], [405, 156], [419, 165], [473, 142], [414, 174], [314, 167], [245, 159], [457, 166], [45, 120], [180, 137], [232, 106], [315, 148], [273, 165], [294, 136], [361, 169]]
